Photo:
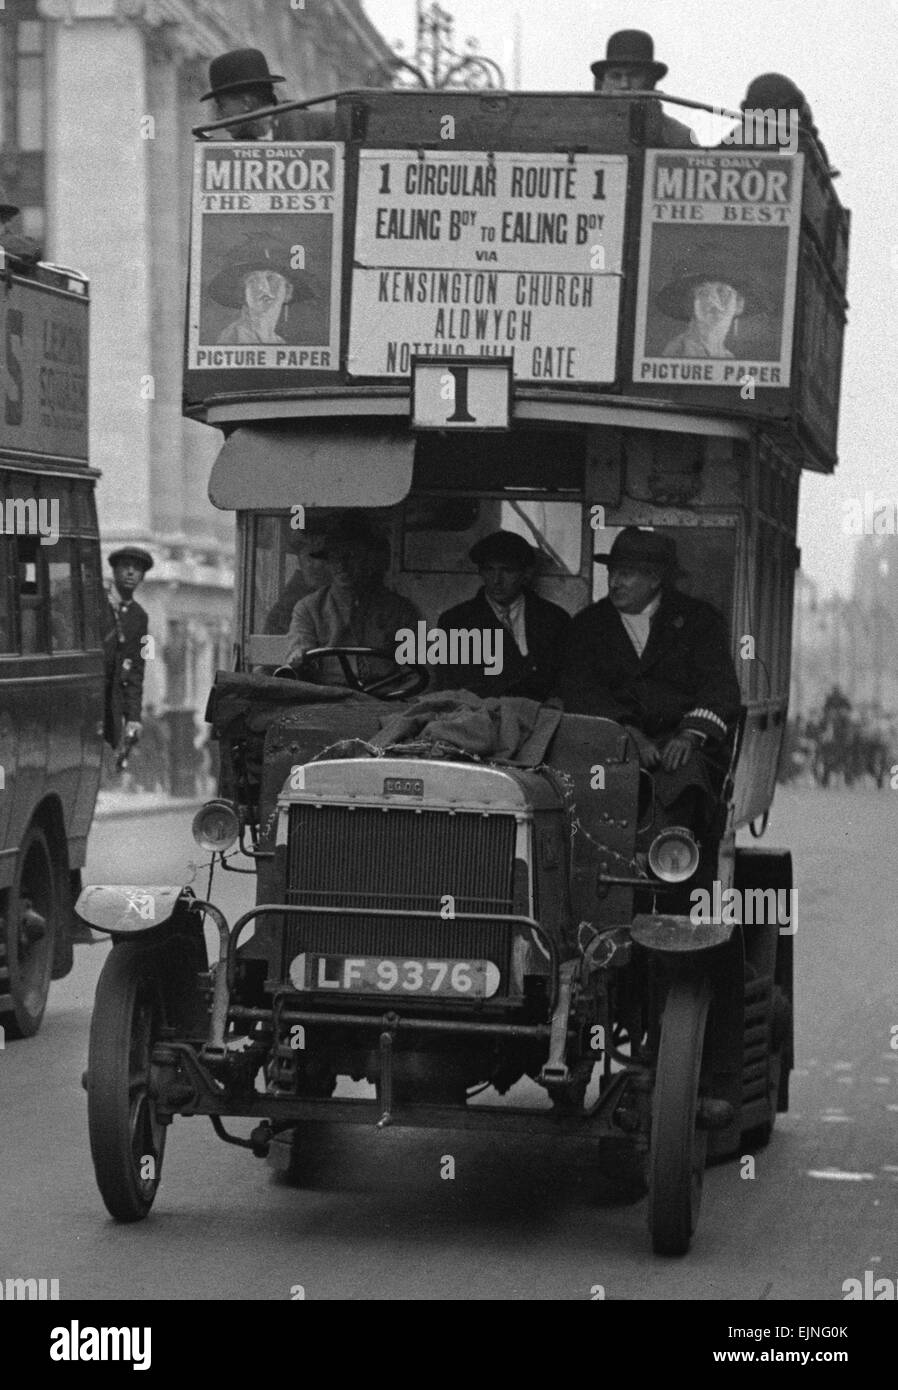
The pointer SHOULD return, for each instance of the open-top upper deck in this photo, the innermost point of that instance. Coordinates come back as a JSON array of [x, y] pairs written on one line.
[[560, 233]]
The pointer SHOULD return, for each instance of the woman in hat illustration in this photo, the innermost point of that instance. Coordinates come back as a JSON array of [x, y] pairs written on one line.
[[261, 282], [712, 297]]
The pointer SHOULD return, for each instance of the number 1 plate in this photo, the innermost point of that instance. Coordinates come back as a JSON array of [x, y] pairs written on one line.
[[397, 975]]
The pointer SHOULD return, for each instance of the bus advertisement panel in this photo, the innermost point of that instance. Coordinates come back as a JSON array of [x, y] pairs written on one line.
[[488, 254], [265, 258], [45, 339], [717, 271]]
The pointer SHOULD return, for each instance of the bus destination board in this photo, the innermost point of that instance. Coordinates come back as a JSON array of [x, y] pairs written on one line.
[[488, 254]]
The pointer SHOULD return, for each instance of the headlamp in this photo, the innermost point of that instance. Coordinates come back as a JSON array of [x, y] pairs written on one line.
[[216, 827], [673, 855]]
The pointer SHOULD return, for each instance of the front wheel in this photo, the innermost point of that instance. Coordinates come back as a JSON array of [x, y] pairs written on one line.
[[678, 1148], [30, 921], [127, 1139]]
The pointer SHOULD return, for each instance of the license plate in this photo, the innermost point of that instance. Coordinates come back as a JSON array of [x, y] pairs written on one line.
[[402, 975]]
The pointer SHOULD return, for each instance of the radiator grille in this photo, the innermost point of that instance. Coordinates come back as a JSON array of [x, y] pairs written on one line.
[[340, 856]]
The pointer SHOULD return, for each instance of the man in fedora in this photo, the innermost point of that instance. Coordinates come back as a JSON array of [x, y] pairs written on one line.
[[124, 630], [629, 66], [711, 295], [258, 280], [532, 629], [658, 662], [240, 82], [356, 609]]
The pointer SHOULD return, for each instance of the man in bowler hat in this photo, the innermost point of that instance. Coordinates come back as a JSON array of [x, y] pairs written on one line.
[[240, 82], [658, 662], [124, 629], [532, 629], [629, 66]]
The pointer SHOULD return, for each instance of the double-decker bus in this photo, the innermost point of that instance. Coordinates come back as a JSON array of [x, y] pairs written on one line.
[[51, 662], [468, 311]]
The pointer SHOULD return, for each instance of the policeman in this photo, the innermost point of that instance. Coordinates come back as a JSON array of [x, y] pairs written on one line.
[[125, 628]]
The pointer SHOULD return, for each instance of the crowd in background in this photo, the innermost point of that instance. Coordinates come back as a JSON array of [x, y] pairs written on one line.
[[840, 744]]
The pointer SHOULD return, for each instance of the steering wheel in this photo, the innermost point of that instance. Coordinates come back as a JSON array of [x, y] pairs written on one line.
[[401, 683]]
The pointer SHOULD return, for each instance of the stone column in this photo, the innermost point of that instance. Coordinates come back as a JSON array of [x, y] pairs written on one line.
[[98, 222]]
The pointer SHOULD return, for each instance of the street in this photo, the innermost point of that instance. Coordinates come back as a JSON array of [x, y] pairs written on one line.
[[519, 1220]]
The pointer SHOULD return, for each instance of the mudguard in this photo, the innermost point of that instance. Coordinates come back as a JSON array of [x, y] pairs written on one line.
[[678, 935], [127, 910]]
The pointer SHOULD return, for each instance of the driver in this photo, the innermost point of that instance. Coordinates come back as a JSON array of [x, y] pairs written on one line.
[[355, 609]]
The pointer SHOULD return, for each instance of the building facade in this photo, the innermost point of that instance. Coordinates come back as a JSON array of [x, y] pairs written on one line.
[[99, 97], [850, 642]]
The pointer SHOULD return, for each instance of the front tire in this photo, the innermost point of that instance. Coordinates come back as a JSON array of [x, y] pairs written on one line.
[[127, 1139], [30, 921], [678, 1149]]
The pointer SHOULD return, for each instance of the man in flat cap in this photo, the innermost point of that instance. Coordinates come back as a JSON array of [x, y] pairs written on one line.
[[532, 630], [355, 609], [240, 82], [259, 280], [124, 630], [658, 662], [629, 66]]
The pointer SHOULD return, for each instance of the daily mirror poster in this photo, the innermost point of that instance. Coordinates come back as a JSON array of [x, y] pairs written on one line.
[[265, 257], [492, 255], [717, 271]]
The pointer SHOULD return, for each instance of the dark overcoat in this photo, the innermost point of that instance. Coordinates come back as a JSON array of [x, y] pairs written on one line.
[[123, 633], [533, 675], [684, 679]]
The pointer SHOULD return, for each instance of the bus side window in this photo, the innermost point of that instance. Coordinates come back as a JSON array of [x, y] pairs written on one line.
[[91, 592], [63, 598], [31, 598], [7, 615]]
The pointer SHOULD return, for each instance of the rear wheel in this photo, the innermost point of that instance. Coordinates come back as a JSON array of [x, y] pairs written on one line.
[[127, 1139], [678, 1148], [781, 1009], [29, 926]]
